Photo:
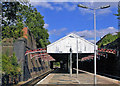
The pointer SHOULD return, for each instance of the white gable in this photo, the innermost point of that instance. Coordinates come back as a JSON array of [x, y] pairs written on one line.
[[64, 44]]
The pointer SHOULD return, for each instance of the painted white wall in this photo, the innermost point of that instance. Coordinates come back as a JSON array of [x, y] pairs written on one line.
[[63, 45]]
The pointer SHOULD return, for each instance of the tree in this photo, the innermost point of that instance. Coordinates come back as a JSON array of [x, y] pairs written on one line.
[[34, 21], [107, 39], [118, 41], [15, 15], [6, 65], [10, 68], [11, 22], [118, 18], [15, 65], [10, 65]]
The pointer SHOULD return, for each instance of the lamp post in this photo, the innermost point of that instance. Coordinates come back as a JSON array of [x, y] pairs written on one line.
[[77, 57], [94, 9]]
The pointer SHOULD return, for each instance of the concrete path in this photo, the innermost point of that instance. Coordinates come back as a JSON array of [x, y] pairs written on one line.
[[83, 78]]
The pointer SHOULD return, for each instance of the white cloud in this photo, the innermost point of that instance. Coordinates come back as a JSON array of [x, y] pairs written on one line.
[[57, 31], [69, 7], [85, 11], [105, 11], [43, 4], [58, 8], [56, 5], [46, 25], [74, 0], [103, 32], [89, 34]]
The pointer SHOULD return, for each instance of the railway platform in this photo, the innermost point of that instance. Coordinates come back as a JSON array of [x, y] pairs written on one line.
[[82, 79]]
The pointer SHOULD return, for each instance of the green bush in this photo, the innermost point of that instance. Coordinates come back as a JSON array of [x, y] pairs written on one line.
[[10, 65]]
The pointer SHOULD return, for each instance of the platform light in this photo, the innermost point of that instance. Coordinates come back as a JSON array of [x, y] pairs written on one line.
[[94, 9]]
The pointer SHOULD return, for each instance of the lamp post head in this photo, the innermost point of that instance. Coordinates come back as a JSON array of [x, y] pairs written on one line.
[[82, 6], [103, 7]]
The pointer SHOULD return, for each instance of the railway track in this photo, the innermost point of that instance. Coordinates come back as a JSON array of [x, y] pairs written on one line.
[[37, 79]]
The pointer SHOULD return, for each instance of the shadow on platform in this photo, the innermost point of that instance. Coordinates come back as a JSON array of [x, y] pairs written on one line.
[[58, 70]]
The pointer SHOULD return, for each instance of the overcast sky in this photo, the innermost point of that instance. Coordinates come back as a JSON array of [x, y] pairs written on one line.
[[62, 18]]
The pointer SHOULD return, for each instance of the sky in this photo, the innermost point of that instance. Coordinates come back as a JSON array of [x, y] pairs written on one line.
[[63, 18]]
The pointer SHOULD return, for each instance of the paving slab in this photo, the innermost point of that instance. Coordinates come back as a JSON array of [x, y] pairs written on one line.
[[83, 78]]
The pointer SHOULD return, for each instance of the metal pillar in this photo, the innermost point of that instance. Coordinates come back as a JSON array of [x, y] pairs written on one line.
[[95, 79], [77, 57], [70, 62]]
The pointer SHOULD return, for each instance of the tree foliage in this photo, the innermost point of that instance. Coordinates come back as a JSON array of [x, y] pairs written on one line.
[[118, 14], [10, 65], [11, 22], [16, 15], [34, 21], [107, 39]]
